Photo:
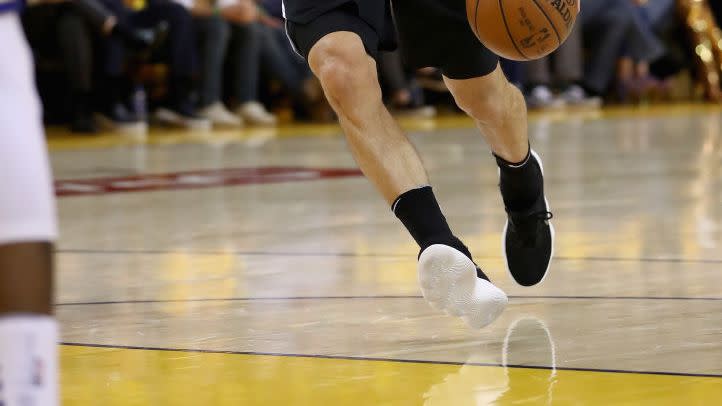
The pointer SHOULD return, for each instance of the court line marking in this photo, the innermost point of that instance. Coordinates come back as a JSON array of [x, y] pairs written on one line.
[[367, 255], [375, 359], [291, 298]]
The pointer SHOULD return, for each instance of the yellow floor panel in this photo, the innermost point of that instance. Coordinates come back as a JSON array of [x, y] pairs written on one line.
[[61, 139], [108, 376]]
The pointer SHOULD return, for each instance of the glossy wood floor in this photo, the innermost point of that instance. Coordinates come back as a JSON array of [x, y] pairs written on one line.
[[289, 282]]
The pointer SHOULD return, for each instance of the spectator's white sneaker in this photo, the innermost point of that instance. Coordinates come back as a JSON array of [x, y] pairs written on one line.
[[219, 115], [423, 111], [449, 282], [133, 128], [119, 119], [575, 96], [254, 113], [541, 97], [166, 116]]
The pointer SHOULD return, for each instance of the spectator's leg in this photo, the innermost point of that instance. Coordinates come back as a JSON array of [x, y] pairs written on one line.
[[278, 62], [246, 54], [568, 67], [74, 42], [537, 87], [393, 75], [537, 72], [643, 44], [213, 34], [406, 95], [662, 15], [181, 55], [606, 23], [568, 61]]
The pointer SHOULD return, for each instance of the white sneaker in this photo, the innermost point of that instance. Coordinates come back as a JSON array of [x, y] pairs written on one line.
[[423, 111], [449, 282], [541, 97], [576, 96], [133, 128], [255, 113], [168, 117], [219, 115]]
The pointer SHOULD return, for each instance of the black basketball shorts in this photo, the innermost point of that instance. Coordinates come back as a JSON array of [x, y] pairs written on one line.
[[430, 32]]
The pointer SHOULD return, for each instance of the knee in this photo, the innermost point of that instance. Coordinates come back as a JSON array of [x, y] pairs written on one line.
[[488, 98], [343, 67]]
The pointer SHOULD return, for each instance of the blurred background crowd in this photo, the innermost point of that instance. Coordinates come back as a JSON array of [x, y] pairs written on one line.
[[119, 64]]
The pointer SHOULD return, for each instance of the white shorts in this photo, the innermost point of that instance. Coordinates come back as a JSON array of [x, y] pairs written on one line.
[[27, 202]]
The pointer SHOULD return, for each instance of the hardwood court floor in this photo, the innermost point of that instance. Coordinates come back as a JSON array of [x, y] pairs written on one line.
[[259, 268]]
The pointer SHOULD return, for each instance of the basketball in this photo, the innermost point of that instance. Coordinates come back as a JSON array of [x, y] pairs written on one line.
[[522, 30]]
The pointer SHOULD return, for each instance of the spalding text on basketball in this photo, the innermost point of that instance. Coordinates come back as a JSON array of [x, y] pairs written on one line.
[[563, 8]]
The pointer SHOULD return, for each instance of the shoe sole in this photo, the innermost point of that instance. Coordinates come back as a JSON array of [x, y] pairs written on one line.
[[551, 229], [448, 282]]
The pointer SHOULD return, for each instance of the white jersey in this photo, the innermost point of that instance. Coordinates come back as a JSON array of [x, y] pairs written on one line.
[[27, 204]]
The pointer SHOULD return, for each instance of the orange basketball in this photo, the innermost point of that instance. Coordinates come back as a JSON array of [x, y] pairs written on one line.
[[522, 29]]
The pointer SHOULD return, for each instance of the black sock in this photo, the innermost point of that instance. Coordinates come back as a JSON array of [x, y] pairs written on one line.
[[422, 216], [520, 183]]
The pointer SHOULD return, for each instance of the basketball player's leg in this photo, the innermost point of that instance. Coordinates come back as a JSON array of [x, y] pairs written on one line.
[[479, 87], [499, 110], [341, 59], [349, 79], [28, 331]]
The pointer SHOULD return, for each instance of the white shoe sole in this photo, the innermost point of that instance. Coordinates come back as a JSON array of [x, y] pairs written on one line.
[[506, 228], [171, 118], [449, 282], [138, 128]]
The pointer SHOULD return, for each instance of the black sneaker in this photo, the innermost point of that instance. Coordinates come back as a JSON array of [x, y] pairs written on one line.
[[528, 240]]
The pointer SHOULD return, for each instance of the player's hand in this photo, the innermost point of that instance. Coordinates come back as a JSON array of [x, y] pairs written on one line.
[[243, 12]]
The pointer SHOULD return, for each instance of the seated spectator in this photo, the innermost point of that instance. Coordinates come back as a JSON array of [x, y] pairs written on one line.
[[82, 37], [228, 30], [178, 107], [563, 70], [616, 36]]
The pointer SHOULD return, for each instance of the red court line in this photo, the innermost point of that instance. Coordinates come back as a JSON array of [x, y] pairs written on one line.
[[197, 179]]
